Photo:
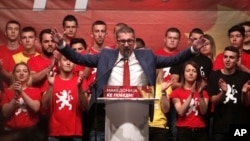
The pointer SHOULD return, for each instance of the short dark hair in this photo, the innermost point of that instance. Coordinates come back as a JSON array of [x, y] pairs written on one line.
[[47, 30], [238, 28], [69, 18], [29, 29], [247, 23], [140, 42], [197, 67], [233, 49], [12, 22], [195, 30], [173, 29], [98, 22], [120, 25], [126, 29], [78, 40]]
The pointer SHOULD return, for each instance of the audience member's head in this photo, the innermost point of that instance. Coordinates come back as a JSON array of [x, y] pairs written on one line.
[[172, 39], [195, 34], [78, 44], [209, 49], [139, 43], [12, 31], [99, 32], [236, 36], [246, 26], [70, 25], [48, 45]]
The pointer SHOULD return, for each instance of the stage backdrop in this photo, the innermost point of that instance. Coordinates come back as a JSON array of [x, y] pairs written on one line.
[[149, 18]]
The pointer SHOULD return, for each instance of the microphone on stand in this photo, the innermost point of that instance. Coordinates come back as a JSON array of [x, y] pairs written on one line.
[[126, 54]]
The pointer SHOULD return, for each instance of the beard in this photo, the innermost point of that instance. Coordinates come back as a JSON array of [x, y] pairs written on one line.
[[46, 53]]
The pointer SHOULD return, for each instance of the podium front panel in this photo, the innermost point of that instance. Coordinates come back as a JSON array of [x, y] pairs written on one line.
[[126, 120]]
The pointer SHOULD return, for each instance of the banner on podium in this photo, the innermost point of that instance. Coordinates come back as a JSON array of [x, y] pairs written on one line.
[[128, 92]]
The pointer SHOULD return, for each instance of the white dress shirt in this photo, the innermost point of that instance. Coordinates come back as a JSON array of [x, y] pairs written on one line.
[[137, 75]]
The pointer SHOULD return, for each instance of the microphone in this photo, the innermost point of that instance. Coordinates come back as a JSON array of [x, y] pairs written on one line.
[[126, 52]]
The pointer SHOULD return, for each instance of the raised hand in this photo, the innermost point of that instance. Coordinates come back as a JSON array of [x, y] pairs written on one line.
[[198, 43], [57, 37], [246, 87], [166, 85]]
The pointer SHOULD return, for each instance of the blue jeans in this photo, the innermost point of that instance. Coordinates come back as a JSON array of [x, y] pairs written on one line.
[[97, 136], [65, 138]]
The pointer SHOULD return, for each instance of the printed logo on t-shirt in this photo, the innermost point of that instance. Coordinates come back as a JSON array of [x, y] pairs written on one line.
[[202, 71], [21, 106], [64, 98], [231, 91], [192, 106], [94, 72], [166, 73]]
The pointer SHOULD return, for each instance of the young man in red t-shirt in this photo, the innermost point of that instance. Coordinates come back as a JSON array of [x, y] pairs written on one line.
[[70, 26], [12, 32], [64, 102], [41, 64], [236, 36], [171, 40]]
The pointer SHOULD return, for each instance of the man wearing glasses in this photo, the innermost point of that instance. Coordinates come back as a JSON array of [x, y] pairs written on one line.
[[142, 63]]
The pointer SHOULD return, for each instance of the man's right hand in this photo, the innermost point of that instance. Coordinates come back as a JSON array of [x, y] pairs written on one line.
[[198, 43], [57, 37]]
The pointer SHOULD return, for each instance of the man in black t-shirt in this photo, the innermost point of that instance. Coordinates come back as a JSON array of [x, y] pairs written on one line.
[[225, 88]]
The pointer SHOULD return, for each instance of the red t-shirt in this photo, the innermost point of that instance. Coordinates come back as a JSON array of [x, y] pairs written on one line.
[[192, 118], [8, 64], [87, 82], [23, 116], [245, 57], [5, 49], [37, 64], [65, 111], [218, 62], [166, 71], [6, 56], [162, 52]]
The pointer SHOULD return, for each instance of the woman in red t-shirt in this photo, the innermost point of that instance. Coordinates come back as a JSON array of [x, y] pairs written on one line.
[[191, 103], [20, 103]]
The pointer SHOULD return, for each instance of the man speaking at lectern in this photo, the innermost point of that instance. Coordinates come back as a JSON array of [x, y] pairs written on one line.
[[110, 66]]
